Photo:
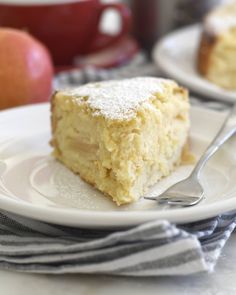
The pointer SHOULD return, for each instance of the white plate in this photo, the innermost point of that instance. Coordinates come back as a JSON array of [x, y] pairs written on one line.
[[33, 184], [175, 54]]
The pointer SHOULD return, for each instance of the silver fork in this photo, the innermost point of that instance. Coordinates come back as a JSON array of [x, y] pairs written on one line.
[[189, 191]]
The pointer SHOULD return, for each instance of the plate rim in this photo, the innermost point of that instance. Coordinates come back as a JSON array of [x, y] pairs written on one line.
[[112, 219], [173, 72]]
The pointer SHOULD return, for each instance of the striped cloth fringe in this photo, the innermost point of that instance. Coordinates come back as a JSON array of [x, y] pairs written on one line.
[[152, 249]]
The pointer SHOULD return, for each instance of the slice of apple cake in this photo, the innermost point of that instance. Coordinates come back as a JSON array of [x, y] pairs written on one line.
[[121, 136]]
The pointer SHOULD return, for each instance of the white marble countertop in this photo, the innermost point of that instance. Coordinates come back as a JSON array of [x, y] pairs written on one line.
[[221, 282]]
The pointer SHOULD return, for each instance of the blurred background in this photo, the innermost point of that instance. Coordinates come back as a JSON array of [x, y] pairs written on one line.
[[71, 42], [151, 19]]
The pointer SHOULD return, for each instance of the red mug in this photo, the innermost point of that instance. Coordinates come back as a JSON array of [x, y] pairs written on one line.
[[67, 27]]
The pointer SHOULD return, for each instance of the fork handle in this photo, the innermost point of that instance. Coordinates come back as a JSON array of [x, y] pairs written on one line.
[[226, 131]]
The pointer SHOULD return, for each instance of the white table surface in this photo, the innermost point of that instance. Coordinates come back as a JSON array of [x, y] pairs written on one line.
[[221, 282]]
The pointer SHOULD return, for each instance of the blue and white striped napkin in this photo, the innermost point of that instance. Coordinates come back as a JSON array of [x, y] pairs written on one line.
[[152, 249]]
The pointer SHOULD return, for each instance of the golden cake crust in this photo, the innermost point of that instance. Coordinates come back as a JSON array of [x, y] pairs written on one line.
[[205, 49]]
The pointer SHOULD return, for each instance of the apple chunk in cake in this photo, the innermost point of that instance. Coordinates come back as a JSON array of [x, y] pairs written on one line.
[[121, 136]]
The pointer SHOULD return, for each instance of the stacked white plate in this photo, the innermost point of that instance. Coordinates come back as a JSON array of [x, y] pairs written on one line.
[[33, 184]]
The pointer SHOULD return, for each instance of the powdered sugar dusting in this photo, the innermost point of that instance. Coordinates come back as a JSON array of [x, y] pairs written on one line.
[[221, 19], [118, 99]]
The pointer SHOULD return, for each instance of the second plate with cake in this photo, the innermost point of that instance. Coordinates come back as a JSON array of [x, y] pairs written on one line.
[[176, 55]]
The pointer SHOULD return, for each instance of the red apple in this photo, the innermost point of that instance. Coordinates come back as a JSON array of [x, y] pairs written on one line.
[[26, 69]]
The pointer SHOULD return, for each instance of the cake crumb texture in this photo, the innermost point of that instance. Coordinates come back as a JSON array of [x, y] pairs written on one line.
[[121, 136]]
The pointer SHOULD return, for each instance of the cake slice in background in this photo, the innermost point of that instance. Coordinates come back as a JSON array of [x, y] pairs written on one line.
[[121, 136], [217, 51]]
